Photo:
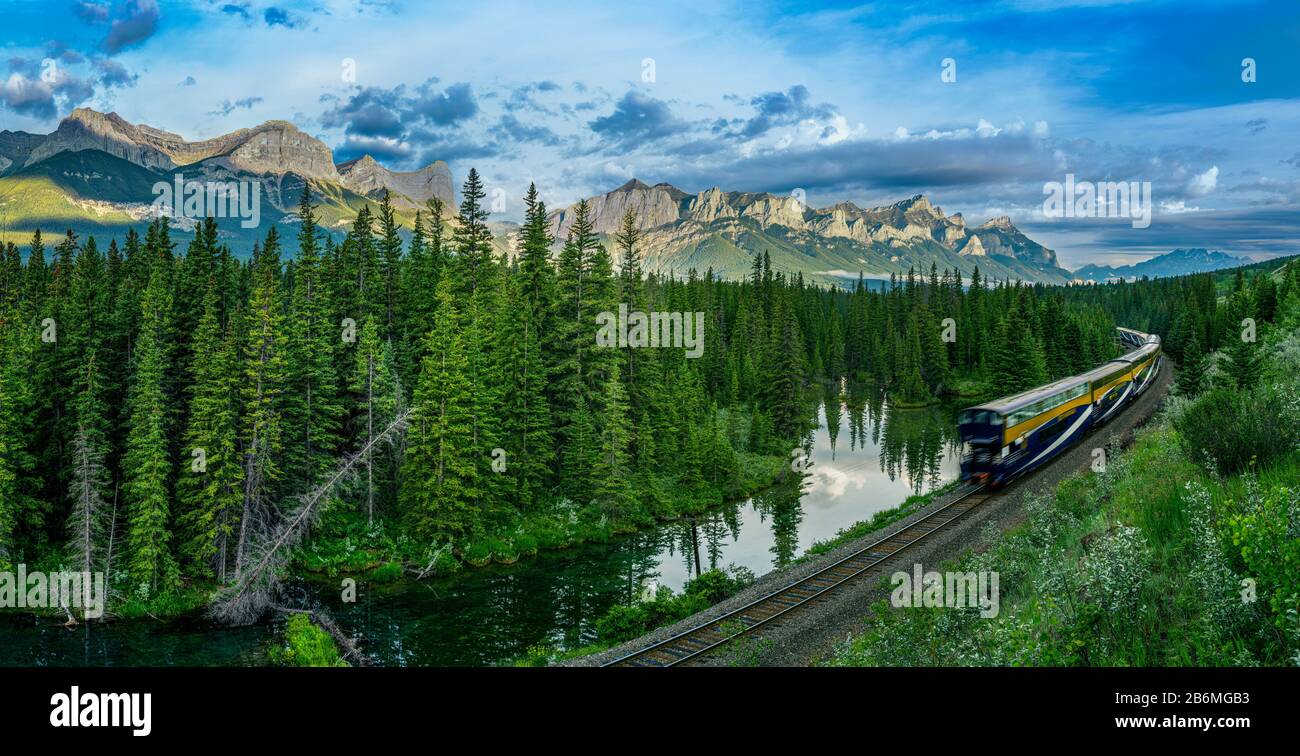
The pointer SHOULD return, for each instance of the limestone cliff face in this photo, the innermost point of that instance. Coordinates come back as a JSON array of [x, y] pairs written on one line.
[[366, 176], [654, 206], [973, 248], [1000, 237]]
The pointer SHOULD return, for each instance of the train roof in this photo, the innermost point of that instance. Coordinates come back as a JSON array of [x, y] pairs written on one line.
[[1016, 401], [1145, 343]]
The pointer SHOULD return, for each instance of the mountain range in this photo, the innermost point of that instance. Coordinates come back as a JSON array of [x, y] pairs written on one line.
[[722, 230], [1179, 262], [94, 174]]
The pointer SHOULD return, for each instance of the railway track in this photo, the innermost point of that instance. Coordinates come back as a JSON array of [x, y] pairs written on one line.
[[702, 639]]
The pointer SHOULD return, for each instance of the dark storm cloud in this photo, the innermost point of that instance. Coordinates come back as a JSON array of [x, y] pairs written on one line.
[[899, 166], [446, 108], [40, 89], [402, 124], [774, 109], [372, 112], [1257, 231], [512, 129], [114, 74], [450, 147], [637, 119], [138, 24]]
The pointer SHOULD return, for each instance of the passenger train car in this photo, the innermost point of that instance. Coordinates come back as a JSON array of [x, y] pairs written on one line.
[[1011, 436]]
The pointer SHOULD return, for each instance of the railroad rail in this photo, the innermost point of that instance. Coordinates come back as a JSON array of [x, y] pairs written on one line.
[[719, 631]]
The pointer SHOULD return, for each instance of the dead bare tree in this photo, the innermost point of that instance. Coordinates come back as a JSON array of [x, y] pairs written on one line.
[[269, 548]]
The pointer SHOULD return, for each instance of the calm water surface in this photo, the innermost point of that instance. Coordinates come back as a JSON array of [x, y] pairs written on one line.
[[865, 457]]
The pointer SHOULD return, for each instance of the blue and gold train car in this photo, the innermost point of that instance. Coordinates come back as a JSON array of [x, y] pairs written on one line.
[[1013, 435]]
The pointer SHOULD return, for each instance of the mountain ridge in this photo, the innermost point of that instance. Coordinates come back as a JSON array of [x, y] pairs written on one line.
[[1178, 262]]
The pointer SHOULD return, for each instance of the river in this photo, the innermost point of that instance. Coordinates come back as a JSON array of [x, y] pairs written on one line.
[[864, 456]]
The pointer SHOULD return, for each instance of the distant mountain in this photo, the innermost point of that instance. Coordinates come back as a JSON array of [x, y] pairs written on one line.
[[723, 230], [366, 176], [96, 172], [1179, 262]]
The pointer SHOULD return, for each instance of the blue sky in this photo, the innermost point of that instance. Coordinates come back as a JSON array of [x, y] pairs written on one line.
[[842, 100]]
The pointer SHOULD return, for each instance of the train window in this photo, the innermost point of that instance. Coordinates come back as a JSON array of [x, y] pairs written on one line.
[[980, 417], [1043, 405]]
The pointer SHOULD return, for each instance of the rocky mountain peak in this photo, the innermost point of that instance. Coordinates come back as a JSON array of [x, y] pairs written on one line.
[[635, 183], [364, 175], [1002, 222]]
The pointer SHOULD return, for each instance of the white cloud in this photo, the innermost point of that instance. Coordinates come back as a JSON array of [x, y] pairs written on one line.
[[1204, 183]]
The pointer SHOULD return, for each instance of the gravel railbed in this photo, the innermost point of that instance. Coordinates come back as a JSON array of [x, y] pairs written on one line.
[[813, 632]]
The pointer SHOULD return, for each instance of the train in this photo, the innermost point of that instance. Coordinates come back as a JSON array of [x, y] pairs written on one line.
[[1006, 438]]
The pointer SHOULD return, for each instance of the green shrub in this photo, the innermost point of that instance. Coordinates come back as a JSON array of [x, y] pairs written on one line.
[[1265, 529], [388, 572], [623, 623], [1229, 431], [715, 585]]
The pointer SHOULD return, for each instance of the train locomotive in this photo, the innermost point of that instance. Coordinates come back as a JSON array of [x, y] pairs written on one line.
[[1013, 435]]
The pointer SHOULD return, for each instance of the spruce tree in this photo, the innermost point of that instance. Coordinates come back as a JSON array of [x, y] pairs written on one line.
[[209, 491], [89, 486], [147, 465], [374, 385], [313, 409], [264, 384], [441, 474]]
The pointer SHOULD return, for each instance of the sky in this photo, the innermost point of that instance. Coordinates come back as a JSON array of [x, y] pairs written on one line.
[[977, 105]]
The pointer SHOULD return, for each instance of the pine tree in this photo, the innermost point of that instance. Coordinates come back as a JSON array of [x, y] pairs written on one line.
[[526, 415], [313, 410], [390, 262], [374, 384], [89, 484], [423, 271], [612, 472], [20, 479], [265, 380], [440, 475], [784, 392], [1242, 365], [1191, 373], [209, 490], [147, 465]]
